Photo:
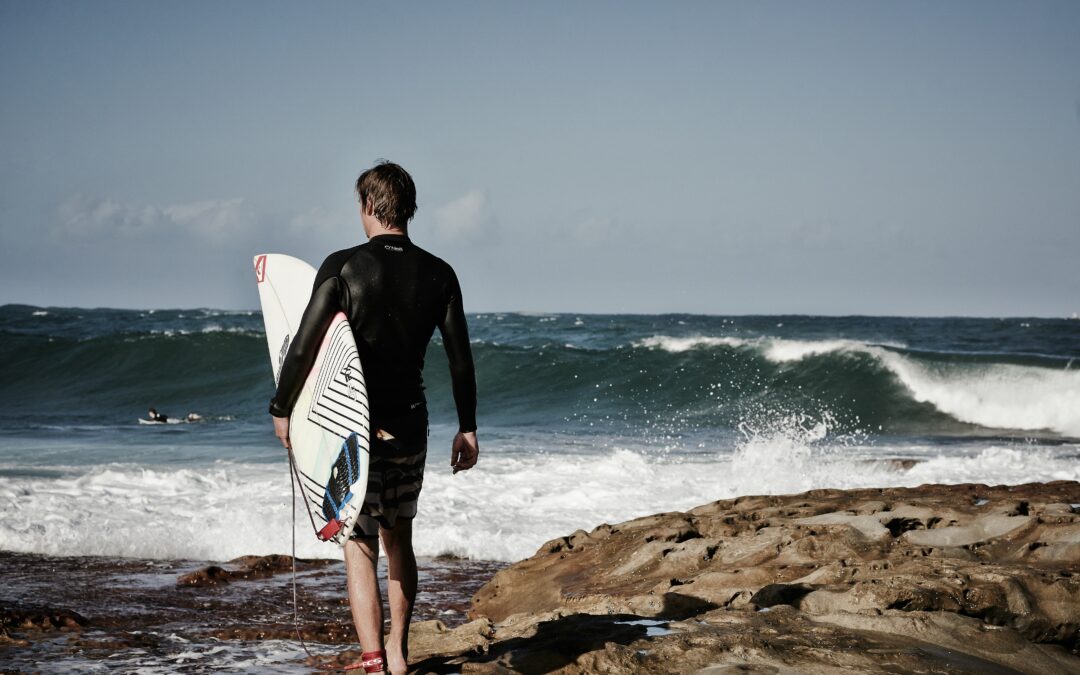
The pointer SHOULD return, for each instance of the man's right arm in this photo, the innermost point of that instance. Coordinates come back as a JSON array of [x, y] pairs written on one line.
[[465, 449]]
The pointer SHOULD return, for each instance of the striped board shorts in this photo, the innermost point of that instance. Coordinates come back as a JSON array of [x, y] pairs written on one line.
[[395, 474]]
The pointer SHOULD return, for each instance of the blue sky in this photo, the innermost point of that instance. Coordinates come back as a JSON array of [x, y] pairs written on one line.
[[916, 158]]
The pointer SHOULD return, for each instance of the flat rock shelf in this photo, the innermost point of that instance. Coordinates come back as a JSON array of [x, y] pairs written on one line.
[[937, 578]]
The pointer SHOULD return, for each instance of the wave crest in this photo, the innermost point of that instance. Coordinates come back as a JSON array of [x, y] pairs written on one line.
[[990, 395]]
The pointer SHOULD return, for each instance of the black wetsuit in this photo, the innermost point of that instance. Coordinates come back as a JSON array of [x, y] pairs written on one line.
[[394, 294]]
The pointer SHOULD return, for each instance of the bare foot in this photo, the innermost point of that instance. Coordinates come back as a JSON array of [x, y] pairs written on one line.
[[396, 662]]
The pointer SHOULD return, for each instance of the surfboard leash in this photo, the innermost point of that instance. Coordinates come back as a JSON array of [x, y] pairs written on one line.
[[294, 478], [295, 603]]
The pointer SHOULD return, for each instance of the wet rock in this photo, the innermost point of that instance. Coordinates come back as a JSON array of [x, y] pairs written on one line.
[[211, 575], [325, 633], [247, 568], [20, 626], [39, 619]]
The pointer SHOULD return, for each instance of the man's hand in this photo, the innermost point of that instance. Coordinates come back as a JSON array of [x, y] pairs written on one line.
[[464, 451], [281, 430]]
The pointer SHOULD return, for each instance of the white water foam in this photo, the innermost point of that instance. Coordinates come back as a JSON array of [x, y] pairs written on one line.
[[265, 657], [995, 396], [1002, 396], [502, 510], [206, 330], [676, 345], [780, 350]]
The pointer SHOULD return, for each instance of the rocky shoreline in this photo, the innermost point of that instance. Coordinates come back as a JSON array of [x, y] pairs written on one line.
[[87, 614], [938, 578]]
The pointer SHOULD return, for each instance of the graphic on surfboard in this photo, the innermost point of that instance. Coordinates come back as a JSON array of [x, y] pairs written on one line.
[[329, 428]]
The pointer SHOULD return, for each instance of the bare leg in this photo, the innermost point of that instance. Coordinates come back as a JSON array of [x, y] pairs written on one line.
[[401, 587], [361, 567]]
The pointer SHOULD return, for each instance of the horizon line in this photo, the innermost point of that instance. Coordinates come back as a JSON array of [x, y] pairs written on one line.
[[1073, 317]]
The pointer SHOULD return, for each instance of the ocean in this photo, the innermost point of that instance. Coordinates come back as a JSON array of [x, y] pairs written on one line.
[[584, 419]]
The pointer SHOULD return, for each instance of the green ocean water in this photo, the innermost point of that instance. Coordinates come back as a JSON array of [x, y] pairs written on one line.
[[583, 419]]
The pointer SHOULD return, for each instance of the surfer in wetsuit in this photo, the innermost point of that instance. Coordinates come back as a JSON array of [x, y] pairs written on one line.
[[154, 416], [395, 295]]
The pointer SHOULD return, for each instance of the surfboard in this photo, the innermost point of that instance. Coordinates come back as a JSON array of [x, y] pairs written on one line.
[[329, 428]]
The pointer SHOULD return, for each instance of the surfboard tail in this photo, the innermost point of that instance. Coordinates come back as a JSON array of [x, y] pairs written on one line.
[[329, 530]]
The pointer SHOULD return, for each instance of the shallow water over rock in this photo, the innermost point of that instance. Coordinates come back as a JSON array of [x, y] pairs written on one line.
[[84, 614]]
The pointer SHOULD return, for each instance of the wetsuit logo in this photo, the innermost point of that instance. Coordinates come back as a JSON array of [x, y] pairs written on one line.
[[395, 249], [260, 268]]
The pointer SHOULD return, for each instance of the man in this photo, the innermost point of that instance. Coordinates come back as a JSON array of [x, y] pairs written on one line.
[[394, 294]]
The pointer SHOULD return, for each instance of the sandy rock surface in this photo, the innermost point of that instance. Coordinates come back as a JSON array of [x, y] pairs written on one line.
[[943, 579]]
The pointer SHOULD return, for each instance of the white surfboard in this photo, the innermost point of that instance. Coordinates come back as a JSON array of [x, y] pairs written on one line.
[[329, 428]]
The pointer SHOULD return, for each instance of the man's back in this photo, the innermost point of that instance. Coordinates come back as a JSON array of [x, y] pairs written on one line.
[[394, 294]]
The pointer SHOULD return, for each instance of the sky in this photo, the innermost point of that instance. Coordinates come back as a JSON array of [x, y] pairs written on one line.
[[887, 158]]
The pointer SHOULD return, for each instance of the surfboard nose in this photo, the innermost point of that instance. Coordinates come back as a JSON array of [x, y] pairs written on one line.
[[260, 268]]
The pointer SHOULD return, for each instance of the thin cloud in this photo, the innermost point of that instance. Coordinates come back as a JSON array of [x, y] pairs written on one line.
[[214, 220], [321, 221], [468, 217]]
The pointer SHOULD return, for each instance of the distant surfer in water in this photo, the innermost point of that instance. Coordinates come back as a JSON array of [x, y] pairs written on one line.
[[152, 415], [395, 295]]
